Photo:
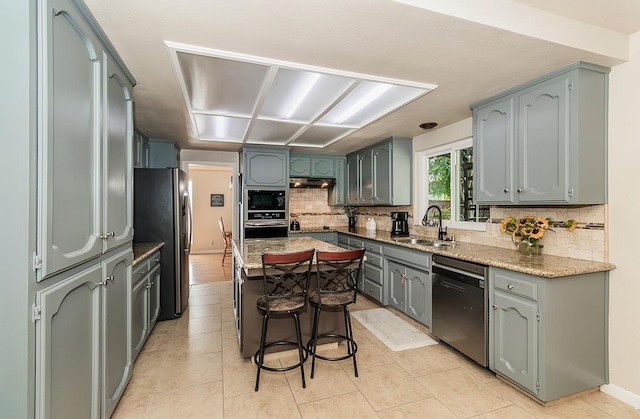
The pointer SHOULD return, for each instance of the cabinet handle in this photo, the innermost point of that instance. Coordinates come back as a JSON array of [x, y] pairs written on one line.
[[103, 283], [156, 260], [510, 286], [110, 278], [105, 236], [142, 272], [506, 190], [495, 307], [519, 190], [403, 278]]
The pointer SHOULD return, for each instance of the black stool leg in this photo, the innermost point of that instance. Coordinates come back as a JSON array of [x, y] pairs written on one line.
[[347, 323], [263, 338], [314, 342], [299, 335]]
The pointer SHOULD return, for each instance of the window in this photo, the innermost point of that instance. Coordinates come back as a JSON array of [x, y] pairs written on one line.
[[446, 175]]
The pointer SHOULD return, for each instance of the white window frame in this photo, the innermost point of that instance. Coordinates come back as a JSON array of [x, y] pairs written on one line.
[[423, 185]]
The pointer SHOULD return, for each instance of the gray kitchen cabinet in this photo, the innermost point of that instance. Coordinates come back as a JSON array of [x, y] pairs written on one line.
[[86, 141], [373, 282], [409, 288], [308, 165], [163, 153], [337, 196], [140, 149], [544, 142], [68, 340], [543, 331], [115, 326], [348, 242], [82, 332], [381, 174], [145, 298], [117, 175], [265, 167]]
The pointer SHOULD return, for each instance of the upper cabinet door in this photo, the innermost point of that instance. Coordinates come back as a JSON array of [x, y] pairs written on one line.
[[382, 175], [543, 132], [117, 157], [266, 168], [493, 147], [69, 166]]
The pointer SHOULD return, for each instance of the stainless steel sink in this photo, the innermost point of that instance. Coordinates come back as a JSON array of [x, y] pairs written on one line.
[[424, 242]]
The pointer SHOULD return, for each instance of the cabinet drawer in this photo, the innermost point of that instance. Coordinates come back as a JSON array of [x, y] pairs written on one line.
[[373, 259], [516, 286], [373, 247], [343, 240], [416, 258], [154, 259], [356, 243], [140, 270], [373, 290], [373, 273]]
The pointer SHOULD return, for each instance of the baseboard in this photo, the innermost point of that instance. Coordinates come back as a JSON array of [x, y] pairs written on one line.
[[206, 252], [622, 395]]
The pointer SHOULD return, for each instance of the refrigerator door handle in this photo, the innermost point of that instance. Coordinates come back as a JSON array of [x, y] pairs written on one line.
[[187, 206]]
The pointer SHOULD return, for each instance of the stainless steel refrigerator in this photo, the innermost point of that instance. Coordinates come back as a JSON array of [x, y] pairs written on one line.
[[162, 213]]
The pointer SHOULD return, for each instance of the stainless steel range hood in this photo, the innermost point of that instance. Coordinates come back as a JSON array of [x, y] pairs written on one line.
[[308, 182]]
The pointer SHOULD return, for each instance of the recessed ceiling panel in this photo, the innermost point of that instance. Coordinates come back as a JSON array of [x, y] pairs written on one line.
[[272, 132], [240, 98], [321, 136], [221, 128], [302, 95], [368, 102], [220, 86]]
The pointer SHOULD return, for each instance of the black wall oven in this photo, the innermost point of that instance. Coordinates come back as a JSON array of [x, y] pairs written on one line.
[[266, 213]]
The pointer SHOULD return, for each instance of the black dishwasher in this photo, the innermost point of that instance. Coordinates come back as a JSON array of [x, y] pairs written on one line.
[[459, 306]]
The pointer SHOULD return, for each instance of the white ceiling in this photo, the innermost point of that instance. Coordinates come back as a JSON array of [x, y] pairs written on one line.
[[470, 49]]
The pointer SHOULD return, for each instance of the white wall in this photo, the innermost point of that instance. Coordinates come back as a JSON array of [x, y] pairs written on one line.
[[624, 231]]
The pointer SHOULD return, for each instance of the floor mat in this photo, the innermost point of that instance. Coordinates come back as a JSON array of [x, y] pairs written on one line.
[[396, 333]]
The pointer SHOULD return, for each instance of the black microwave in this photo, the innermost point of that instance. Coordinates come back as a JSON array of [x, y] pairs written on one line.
[[264, 200]]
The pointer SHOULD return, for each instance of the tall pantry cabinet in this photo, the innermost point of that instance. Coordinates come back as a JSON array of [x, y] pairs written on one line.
[[68, 313]]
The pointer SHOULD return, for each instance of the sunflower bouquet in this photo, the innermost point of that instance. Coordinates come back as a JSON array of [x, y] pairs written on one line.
[[526, 232]]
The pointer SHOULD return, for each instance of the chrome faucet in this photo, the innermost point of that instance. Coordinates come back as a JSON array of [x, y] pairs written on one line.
[[441, 232]]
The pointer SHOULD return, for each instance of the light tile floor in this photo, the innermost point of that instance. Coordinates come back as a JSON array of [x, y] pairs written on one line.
[[191, 368]]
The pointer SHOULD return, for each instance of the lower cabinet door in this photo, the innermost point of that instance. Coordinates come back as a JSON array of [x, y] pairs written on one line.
[[418, 285], [515, 335], [154, 296], [396, 285], [68, 347], [116, 320], [139, 316]]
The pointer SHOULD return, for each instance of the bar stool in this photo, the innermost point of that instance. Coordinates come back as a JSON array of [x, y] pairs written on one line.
[[337, 277], [286, 281]]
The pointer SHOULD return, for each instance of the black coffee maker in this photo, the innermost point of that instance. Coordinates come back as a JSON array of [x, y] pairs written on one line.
[[399, 223]]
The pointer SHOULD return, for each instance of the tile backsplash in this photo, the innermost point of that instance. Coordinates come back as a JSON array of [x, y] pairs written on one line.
[[588, 241]]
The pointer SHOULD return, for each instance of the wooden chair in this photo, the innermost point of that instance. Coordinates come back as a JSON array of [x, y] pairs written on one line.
[[226, 237], [286, 281], [337, 277]]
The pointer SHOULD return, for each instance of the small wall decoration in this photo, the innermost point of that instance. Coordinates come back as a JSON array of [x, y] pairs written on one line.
[[217, 200]]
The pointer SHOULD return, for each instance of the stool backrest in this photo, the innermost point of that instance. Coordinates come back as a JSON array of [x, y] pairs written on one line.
[[287, 274], [338, 271]]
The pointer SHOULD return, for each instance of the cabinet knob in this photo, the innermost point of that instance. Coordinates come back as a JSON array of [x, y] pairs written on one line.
[[495, 307], [506, 190], [110, 278], [510, 286], [519, 190], [105, 236]]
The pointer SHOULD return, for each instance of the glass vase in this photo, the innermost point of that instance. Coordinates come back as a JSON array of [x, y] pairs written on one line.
[[530, 248]]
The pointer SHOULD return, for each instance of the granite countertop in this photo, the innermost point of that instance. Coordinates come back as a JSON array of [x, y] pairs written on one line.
[[546, 266], [144, 250], [248, 251]]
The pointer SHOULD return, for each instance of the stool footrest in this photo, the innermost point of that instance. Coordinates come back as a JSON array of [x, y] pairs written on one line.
[[310, 345], [280, 369]]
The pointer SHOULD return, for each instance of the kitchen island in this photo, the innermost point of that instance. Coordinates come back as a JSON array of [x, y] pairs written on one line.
[[248, 286]]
